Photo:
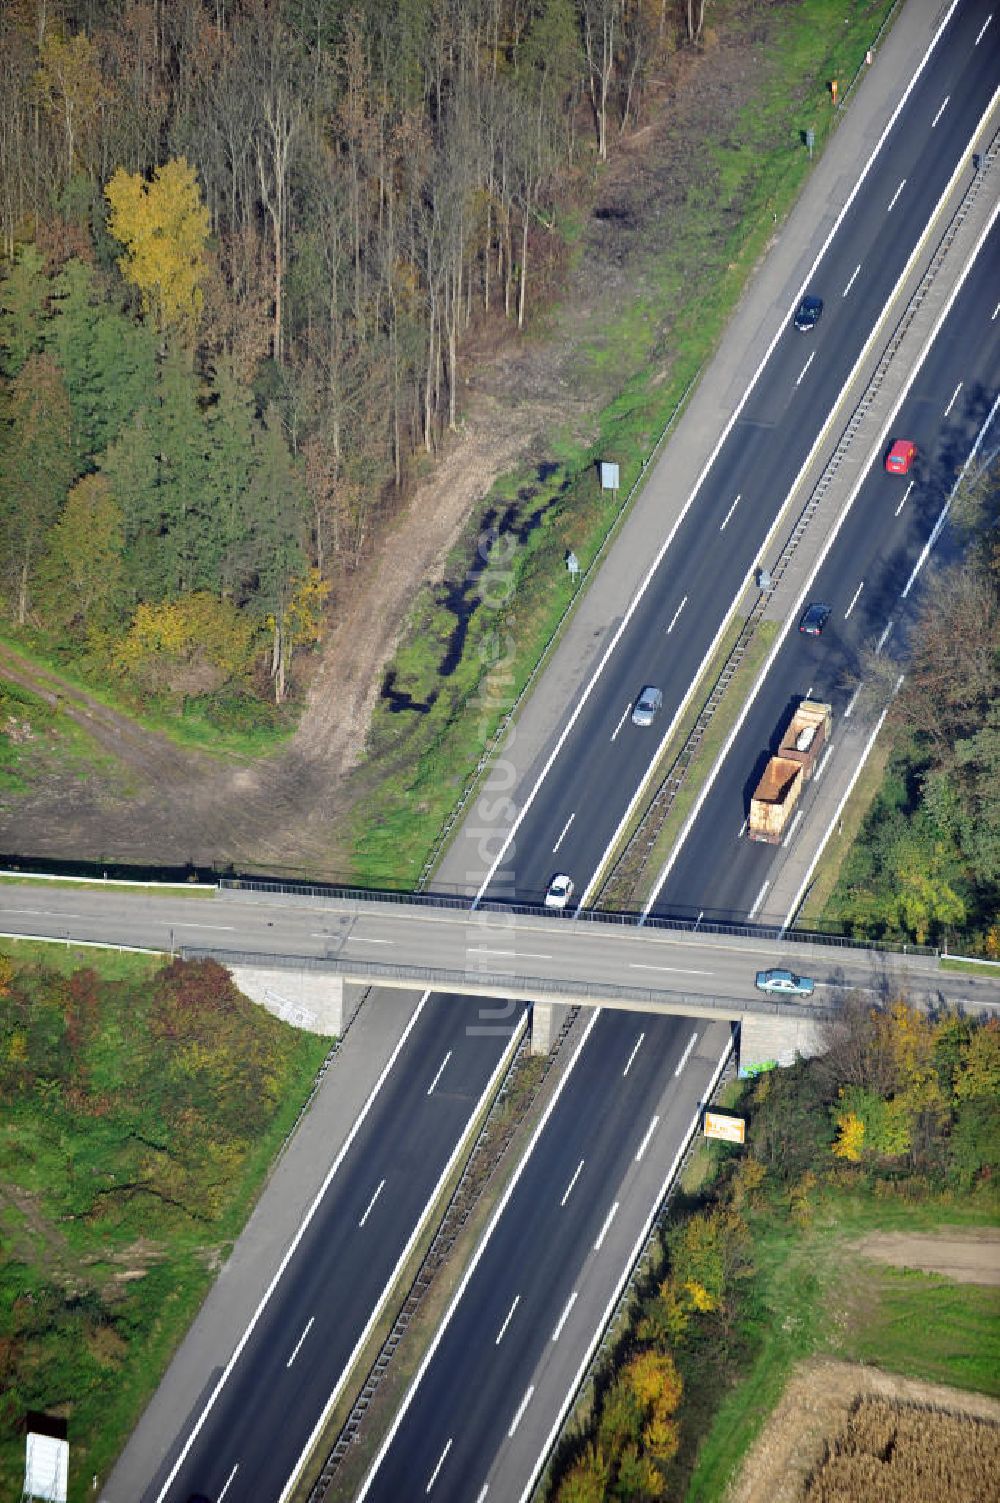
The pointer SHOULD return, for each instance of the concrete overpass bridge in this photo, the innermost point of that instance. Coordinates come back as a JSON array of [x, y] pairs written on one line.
[[302, 952]]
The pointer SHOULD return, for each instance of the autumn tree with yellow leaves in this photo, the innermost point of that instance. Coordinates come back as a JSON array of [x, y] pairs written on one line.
[[163, 225]]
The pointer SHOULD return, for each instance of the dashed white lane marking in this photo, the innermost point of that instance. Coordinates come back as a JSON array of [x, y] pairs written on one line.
[[730, 512], [759, 898], [564, 1317], [701, 915], [902, 503], [892, 201], [854, 601], [510, 1313], [850, 284], [229, 927], [228, 1482], [434, 1474], [371, 1203], [996, 310], [743, 829], [671, 970], [635, 1051], [676, 615], [520, 1412], [824, 759], [430, 1088], [566, 826], [645, 1142], [361, 939], [509, 954], [485, 1490], [954, 399], [569, 1187], [809, 691], [791, 828], [686, 1055], [802, 372], [302, 1338], [605, 1228], [982, 30], [941, 111], [853, 701], [614, 733], [883, 639]]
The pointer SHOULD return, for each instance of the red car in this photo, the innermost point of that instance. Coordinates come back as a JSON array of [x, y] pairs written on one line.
[[900, 457]]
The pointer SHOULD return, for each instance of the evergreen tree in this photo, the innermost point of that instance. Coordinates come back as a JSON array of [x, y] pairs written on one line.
[[35, 470], [23, 291], [230, 431]]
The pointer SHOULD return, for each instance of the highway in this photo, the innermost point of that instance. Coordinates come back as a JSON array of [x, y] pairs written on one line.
[[529, 956], [630, 1099]]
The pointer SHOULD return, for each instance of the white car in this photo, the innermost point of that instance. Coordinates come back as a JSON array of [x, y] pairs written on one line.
[[560, 891], [784, 981]]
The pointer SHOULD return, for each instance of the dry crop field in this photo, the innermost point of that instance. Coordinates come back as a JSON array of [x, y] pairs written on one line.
[[896, 1453]]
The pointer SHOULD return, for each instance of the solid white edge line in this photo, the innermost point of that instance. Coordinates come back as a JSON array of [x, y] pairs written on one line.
[[290, 1251], [796, 901], [474, 1263], [820, 560], [806, 465], [379, 1305], [630, 1263], [706, 468]]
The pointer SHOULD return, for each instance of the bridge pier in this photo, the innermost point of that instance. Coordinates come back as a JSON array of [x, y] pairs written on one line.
[[774, 1040], [546, 1020], [313, 1000]]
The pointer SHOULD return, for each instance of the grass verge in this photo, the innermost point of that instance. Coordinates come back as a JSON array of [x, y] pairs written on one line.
[[813, 913], [989, 968], [143, 1106]]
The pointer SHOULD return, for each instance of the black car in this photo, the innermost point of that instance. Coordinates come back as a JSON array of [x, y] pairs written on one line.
[[815, 618], [808, 313]]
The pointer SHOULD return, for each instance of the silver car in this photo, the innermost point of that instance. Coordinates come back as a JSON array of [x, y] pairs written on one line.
[[784, 982], [648, 705]]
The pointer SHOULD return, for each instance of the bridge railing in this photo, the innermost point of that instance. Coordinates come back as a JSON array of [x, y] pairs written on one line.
[[459, 904], [523, 988]]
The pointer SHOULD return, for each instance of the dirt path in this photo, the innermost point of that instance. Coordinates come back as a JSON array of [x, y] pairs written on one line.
[[172, 806], [968, 1256]]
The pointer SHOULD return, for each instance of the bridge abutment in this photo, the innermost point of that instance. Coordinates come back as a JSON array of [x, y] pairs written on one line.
[[546, 1020], [317, 1002], [774, 1040]]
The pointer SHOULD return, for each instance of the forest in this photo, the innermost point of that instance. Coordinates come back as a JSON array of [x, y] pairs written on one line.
[[242, 242]]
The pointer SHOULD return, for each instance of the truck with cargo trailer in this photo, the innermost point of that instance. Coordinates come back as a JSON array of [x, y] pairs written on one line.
[[780, 788]]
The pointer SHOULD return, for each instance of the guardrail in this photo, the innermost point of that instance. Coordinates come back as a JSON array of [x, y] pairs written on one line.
[[523, 988], [459, 904]]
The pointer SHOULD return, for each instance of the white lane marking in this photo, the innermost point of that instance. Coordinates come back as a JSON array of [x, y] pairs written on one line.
[[566, 826], [371, 1203], [474, 1261], [361, 939], [954, 399], [982, 30], [434, 1474], [902, 503], [854, 601], [892, 201], [686, 1055], [645, 1142], [809, 691], [508, 954], [701, 915], [564, 1317], [430, 1088], [941, 111], [606, 1227], [482, 1495], [851, 703], [676, 614], [569, 1187], [290, 1253], [996, 310], [614, 733], [520, 1411], [673, 970], [791, 828], [229, 927], [850, 284], [730, 511], [802, 372], [883, 639], [743, 828], [510, 1313], [824, 759], [228, 1482], [302, 1338], [759, 898], [635, 1051]]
